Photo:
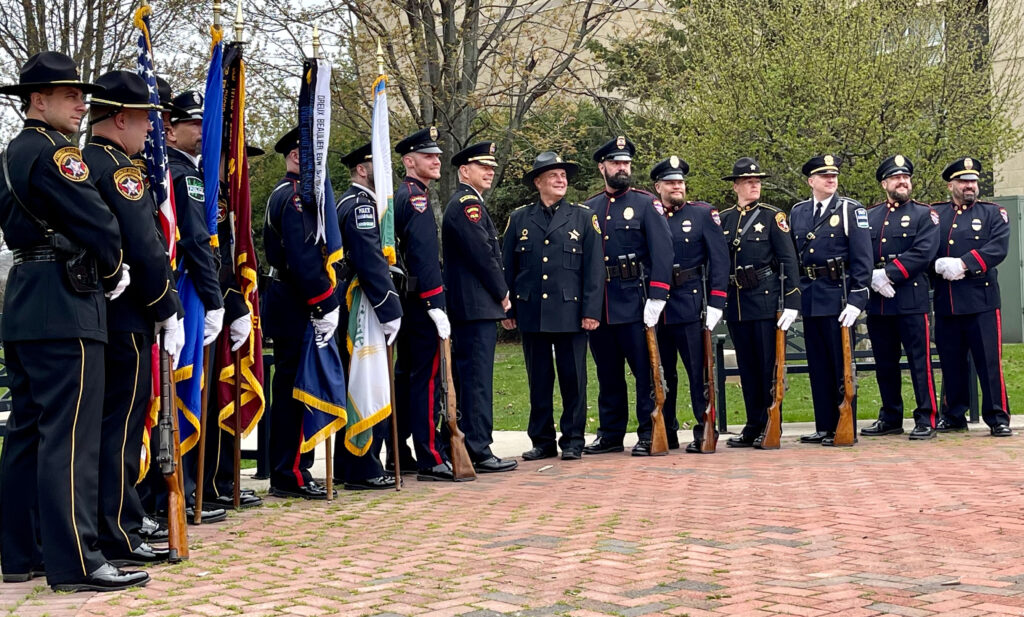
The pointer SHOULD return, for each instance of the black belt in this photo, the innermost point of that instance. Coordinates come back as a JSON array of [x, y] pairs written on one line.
[[34, 254], [820, 272], [761, 274], [680, 275]]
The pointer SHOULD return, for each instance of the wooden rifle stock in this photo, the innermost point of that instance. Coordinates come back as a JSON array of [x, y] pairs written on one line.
[[844, 429], [462, 466], [169, 459], [771, 439], [710, 437], [659, 434]]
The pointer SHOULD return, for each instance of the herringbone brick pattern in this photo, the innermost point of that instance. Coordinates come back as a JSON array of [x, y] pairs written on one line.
[[886, 528]]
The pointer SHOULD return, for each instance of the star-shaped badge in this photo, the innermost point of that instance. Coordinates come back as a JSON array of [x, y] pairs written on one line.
[[758, 227], [574, 235]]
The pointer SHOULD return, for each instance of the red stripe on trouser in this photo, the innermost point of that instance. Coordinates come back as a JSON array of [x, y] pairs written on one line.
[[928, 365], [999, 341], [430, 409], [299, 481]]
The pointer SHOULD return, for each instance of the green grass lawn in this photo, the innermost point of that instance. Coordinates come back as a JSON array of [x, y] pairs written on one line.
[[512, 406]]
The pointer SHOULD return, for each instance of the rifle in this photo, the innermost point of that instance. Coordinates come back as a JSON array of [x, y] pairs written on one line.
[[710, 436], [659, 435], [169, 459], [844, 428], [462, 467], [770, 439]]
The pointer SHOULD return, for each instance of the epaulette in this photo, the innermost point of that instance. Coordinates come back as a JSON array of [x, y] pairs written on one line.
[[769, 207], [987, 203], [851, 202], [468, 197], [584, 206], [45, 133], [941, 203], [643, 192], [873, 206], [700, 203], [521, 207], [727, 209], [594, 195]]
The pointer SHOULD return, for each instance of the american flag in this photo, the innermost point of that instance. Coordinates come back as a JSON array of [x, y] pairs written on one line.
[[156, 148]]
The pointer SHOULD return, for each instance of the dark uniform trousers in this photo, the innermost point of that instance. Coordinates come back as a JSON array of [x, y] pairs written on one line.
[[570, 349], [473, 346], [755, 359], [613, 344], [57, 393], [981, 335], [686, 340], [823, 339], [418, 383], [887, 334], [289, 468]]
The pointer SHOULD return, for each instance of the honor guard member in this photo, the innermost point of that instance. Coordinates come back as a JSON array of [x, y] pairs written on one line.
[[196, 255], [904, 239], [833, 242], [699, 272], [476, 285], [417, 377], [555, 275], [637, 249], [299, 291], [67, 253], [119, 119], [360, 235], [762, 267], [974, 237]]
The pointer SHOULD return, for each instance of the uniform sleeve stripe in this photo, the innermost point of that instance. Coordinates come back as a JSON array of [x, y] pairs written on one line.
[[659, 285], [719, 293], [321, 297], [981, 262], [432, 292], [167, 286], [896, 262], [117, 268]]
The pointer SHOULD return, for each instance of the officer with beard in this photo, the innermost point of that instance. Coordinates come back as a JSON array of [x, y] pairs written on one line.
[[638, 266], [974, 237]]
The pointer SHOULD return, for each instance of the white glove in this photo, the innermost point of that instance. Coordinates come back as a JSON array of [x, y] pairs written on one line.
[[652, 310], [951, 268], [391, 328], [786, 319], [444, 327], [121, 284], [240, 330], [212, 325], [849, 316], [887, 291], [712, 318], [174, 337], [879, 279], [323, 328]]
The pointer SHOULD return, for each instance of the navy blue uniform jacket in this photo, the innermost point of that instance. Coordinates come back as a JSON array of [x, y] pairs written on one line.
[[980, 236], [360, 236], [416, 242], [904, 239], [473, 276], [697, 240]]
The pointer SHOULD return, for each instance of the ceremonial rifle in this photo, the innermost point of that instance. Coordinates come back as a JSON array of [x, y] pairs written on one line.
[[659, 435], [710, 436], [169, 459], [462, 466], [770, 439], [844, 428]]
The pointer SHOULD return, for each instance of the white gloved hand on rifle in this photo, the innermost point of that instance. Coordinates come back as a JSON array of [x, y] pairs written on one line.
[[714, 315], [122, 283], [440, 318], [652, 310], [786, 319], [849, 316], [173, 338]]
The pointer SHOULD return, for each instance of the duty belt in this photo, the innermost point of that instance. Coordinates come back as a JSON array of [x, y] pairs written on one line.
[[748, 276], [680, 275], [833, 271], [34, 254], [629, 268]]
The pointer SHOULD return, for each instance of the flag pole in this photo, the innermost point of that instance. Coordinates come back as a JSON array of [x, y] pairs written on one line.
[[237, 496]]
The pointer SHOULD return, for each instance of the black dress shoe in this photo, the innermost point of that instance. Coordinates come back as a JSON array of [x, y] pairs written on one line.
[[878, 428], [228, 501], [208, 516], [152, 530], [143, 555], [1001, 430], [106, 578], [24, 577], [572, 455], [437, 473], [673, 440], [495, 465], [740, 442], [536, 453], [693, 447], [922, 431], [642, 448], [408, 464], [946, 425], [309, 491], [603, 445], [830, 440], [380, 483], [813, 437]]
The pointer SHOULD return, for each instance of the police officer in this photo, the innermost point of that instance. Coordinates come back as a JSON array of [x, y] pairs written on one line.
[[480, 296], [974, 237], [762, 268], [699, 271], [299, 291], [360, 235], [638, 267], [904, 239], [119, 118], [555, 275], [833, 242], [67, 253], [417, 377]]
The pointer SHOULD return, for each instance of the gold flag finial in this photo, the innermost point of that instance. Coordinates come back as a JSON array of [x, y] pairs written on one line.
[[380, 58], [239, 23], [217, 8], [316, 42]]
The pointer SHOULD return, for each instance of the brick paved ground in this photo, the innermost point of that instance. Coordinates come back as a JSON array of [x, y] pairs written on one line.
[[886, 528]]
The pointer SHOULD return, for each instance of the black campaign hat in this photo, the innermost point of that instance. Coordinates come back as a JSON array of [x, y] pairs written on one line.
[[288, 142], [672, 168], [895, 164], [48, 69], [482, 153], [964, 168], [254, 151], [187, 106], [163, 89], [423, 140], [546, 161], [618, 149], [123, 90], [824, 164], [745, 167], [362, 154]]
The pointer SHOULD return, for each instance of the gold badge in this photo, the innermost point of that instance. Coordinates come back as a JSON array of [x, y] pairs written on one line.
[[558, 159], [834, 220], [627, 213], [574, 235], [673, 161], [433, 132], [620, 142], [524, 234], [70, 164], [492, 148], [905, 221], [687, 227], [128, 181], [899, 160], [829, 160], [968, 163], [597, 227], [976, 224]]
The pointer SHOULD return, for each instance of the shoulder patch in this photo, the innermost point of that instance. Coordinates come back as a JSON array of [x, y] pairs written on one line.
[[473, 213], [222, 210], [128, 181], [660, 207], [366, 217], [70, 164], [862, 217], [194, 185], [934, 215], [297, 202], [714, 217], [468, 197], [418, 203], [780, 220], [597, 227], [1004, 214]]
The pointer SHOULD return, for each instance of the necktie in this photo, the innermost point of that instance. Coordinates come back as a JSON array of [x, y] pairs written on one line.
[[819, 211]]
